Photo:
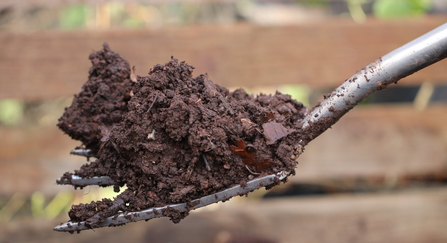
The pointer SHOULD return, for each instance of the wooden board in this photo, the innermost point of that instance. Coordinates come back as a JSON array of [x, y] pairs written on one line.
[[47, 64], [417, 216], [409, 216], [376, 141], [389, 141], [31, 159]]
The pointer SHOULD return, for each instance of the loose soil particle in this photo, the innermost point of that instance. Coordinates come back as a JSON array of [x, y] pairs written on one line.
[[171, 138]]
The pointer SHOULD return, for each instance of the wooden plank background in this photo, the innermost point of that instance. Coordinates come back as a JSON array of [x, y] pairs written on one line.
[[48, 64], [377, 141], [408, 216], [380, 140]]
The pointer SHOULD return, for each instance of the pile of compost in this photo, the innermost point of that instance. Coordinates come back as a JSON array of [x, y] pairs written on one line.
[[171, 137]]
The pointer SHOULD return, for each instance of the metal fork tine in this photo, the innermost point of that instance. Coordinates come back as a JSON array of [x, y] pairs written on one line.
[[123, 218], [83, 152], [79, 181]]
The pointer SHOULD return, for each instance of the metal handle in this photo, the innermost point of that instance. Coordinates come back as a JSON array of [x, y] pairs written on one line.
[[405, 60]]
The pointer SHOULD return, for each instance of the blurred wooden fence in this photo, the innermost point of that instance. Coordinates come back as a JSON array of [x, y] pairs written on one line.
[[389, 142], [48, 64]]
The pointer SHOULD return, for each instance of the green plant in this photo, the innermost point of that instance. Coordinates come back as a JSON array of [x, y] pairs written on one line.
[[73, 16], [400, 8], [11, 111]]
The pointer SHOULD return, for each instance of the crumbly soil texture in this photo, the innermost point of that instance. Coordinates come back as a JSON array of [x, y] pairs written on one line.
[[171, 137]]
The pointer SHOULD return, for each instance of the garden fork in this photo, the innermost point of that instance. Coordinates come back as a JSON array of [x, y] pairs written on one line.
[[390, 68]]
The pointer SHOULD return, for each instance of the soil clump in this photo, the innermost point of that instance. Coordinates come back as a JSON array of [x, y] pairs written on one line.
[[171, 137]]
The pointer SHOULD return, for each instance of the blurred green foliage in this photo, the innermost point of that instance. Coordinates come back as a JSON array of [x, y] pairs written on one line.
[[387, 9], [299, 92], [58, 205], [11, 112], [73, 16], [41, 206], [13, 205], [134, 14]]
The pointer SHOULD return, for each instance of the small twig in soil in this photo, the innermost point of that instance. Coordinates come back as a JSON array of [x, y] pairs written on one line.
[[206, 163], [191, 168], [153, 102], [254, 173], [212, 89], [188, 173]]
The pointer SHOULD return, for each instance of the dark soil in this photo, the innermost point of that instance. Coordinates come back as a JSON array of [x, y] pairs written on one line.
[[171, 137], [102, 101]]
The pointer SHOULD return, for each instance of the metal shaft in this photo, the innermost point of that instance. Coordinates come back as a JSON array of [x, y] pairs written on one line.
[[412, 57]]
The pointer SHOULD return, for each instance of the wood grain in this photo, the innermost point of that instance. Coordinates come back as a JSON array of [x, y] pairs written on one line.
[[376, 141], [415, 216], [389, 141], [48, 64]]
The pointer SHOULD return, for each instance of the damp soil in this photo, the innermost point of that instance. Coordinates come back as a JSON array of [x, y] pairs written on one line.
[[171, 137]]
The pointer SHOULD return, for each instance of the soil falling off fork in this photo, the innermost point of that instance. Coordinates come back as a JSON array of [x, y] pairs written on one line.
[[390, 68]]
